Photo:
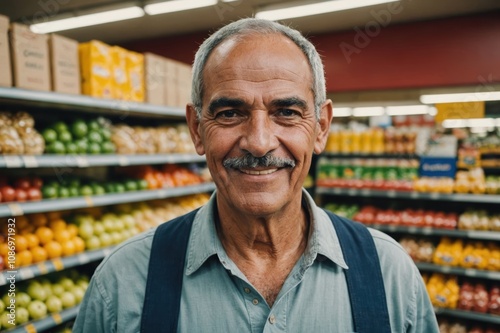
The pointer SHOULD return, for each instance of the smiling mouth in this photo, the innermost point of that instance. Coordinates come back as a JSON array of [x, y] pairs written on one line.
[[258, 172]]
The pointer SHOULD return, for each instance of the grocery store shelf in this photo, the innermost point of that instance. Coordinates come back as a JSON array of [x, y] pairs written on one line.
[[48, 322], [83, 161], [47, 205], [476, 273], [59, 101], [483, 317], [484, 235], [54, 265], [409, 195], [397, 156]]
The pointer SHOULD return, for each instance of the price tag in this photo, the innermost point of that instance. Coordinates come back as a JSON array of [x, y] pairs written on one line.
[[83, 258], [3, 280], [352, 192], [391, 194], [412, 230], [26, 273], [15, 209], [366, 192], [162, 194], [470, 272], [106, 251], [88, 201], [392, 228], [123, 160], [82, 161], [30, 328], [12, 161], [434, 195], [414, 195], [446, 269], [57, 318], [30, 161], [337, 190], [58, 264], [43, 268], [426, 231]]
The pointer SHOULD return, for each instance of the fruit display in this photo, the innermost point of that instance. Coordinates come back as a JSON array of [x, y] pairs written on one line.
[[468, 254], [471, 181], [381, 174], [79, 137], [407, 217], [20, 189], [479, 220], [151, 140], [41, 237], [18, 134], [433, 185], [420, 250], [443, 291], [37, 298], [478, 298], [169, 175], [448, 326], [348, 211], [492, 185]]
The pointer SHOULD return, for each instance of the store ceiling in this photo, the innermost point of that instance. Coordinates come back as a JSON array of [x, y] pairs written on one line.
[[210, 18]]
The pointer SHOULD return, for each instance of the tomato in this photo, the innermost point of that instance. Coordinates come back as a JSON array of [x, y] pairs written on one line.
[[8, 193], [34, 193], [36, 182], [21, 195], [22, 183]]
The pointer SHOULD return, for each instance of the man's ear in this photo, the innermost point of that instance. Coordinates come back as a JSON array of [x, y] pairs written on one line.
[[194, 128], [325, 119]]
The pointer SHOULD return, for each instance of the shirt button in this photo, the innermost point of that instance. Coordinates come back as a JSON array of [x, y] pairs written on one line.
[[272, 319], [255, 301], [247, 290]]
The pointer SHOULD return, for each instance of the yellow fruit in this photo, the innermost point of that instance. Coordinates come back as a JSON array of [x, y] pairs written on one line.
[[32, 240], [39, 219], [4, 249], [62, 235], [73, 230], [39, 254], [57, 225], [53, 215], [21, 243], [79, 244], [54, 249], [68, 248], [25, 258], [44, 235]]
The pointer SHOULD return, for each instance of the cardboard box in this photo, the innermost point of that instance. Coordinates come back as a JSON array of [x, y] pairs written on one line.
[[5, 65], [65, 65], [171, 83], [30, 57], [96, 69], [121, 84], [184, 83], [135, 75], [154, 77]]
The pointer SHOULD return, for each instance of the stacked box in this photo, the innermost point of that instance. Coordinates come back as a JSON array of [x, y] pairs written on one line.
[[171, 84], [65, 65], [5, 67], [121, 84], [154, 77], [30, 57], [96, 69], [184, 83], [135, 75]]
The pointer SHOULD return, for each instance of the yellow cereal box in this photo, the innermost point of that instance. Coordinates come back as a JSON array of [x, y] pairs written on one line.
[[121, 83], [96, 69], [135, 73]]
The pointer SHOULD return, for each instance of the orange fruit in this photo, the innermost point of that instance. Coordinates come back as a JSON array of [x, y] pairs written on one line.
[[57, 225], [53, 215], [27, 230], [21, 243], [68, 248], [62, 235], [73, 230], [22, 222], [24, 258], [54, 249], [79, 244], [38, 219], [39, 254], [32, 240], [4, 249], [44, 235]]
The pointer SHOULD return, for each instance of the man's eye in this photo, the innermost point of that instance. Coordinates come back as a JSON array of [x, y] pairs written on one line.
[[287, 113], [226, 114]]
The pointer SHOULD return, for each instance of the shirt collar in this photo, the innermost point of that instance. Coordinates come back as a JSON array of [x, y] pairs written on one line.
[[204, 242]]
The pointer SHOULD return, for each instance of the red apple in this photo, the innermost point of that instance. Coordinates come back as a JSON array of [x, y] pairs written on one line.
[[8, 193], [21, 195], [34, 193], [36, 182], [22, 183]]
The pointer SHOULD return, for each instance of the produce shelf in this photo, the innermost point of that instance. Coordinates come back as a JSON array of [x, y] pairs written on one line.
[[476, 273], [486, 198], [483, 317], [396, 156], [48, 322], [485, 235], [54, 265], [83, 161], [47, 205], [58, 101]]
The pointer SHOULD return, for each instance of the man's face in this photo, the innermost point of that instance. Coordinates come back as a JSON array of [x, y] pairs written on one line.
[[258, 101]]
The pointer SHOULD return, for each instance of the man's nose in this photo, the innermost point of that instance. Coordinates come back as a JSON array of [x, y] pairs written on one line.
[[259, 135]]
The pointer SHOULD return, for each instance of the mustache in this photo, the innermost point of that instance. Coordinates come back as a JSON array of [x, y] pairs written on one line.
[[250, 161]]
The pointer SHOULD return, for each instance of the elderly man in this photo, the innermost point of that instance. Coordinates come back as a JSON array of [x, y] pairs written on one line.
[[260, 256]]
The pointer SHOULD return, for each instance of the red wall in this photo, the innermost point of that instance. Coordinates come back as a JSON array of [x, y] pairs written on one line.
[[446, 52]]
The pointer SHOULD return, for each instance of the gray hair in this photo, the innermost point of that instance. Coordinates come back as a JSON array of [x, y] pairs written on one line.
[[257, 26]]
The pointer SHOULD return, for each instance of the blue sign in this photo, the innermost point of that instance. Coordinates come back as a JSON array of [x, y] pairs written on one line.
[[437, 166]]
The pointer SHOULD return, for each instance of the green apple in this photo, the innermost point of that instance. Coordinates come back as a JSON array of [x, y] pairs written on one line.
[[6, 300], [105, 239], [86, 230], [126, 234], [57, 289], [78, 292], [37, 309], [54, 304], [98, 228], [23, 299], [37, 291], [119, 225], [117, 237], [5, 320], [82, 283], [109, 225], [22, 315], [2, 306], [128, 220], [66, 283], [83, 218], [68, 300], [92, 243]]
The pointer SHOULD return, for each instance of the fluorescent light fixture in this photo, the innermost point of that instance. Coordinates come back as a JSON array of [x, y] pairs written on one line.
[[176, 6], [368, 111], [342, 112], [460, 98], [454, 123], [432, 111], [315, 8], [481, 122], [405, 110], [479, 130], [88, 20]]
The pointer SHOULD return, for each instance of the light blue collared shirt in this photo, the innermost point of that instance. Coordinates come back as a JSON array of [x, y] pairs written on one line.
[[217, 297]]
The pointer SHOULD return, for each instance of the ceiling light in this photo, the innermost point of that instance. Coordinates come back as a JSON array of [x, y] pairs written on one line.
[[460, 98], [342, 112], [368, 111], [405, 110], [88, 20], [315, 8], [432, 111], [176, 6], [479, 130], [454, 123], [481, 122]]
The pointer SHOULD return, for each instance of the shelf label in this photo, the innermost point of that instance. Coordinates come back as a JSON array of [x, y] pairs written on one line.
[[106, 251], [391, 194], [392, 228], [366, 192], [337, 190], [3, 280], [30, 328], [446, 269], [414, 195], [12, 161], [58, 264], [30, 162], [426, 231], [123, 160], [352, 192], [434, 195], [57, 318], [412, 230], [88, 201], [43, 268], [83, 258], [470, 272], [26, 273], [15, 209], [161, 194], [82, 161]]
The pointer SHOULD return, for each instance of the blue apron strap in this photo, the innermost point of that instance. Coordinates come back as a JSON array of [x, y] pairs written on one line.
[[165, 273], [364, 276]]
